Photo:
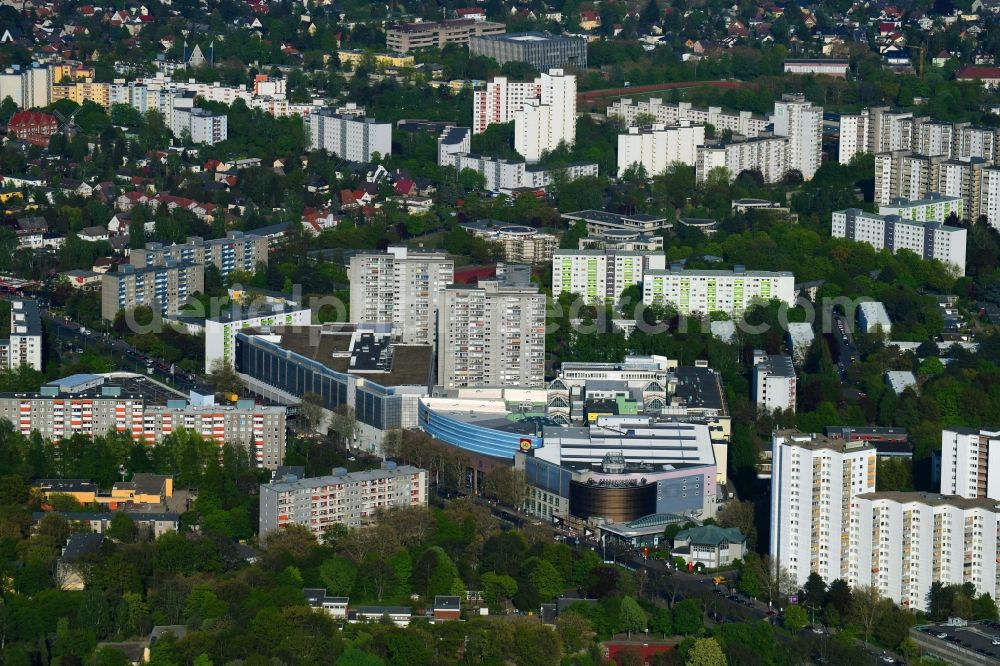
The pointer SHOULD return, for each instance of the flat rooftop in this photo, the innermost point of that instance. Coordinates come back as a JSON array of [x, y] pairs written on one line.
[[350, 477], [700, 388], [330, 345]]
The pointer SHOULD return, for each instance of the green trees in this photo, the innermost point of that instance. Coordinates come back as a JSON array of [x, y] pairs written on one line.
[[632, 616], [796, 618], [338, 574], [706, 652], [688, 617]]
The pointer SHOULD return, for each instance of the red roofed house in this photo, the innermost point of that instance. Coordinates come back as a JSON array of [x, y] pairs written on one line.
[[32, 125], [989, 77], [405, 187]]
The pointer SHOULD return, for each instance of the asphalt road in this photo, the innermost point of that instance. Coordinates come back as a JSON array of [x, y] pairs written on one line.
[[847, 351], [126, 357]]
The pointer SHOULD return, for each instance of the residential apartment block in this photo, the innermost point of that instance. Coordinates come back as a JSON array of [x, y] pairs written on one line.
[[351, 499], [814, 480], [351, 138], [600, 276], [934, 208], [238, 251], [24, 347], [400, 287], [765, 155], [967, 457], [165, 287], [873, 316], [202, 125], [501, 98], [877, 130], [902, 543], [774, 382], [743, 123], [617, 225], [658, 147], [541, 50], [508, 176], [520, 244], [453, 140], [802, 124], [929, 240], [707, 291], [492, 334], [404, 37], [220, 329], [545, 122], [97, 404]]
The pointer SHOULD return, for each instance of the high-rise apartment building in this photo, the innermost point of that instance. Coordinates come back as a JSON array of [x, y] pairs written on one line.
[[814, 480], [802, 123], [351, 138], [400, 287], [500, 100], [600, 276], [656, 148], [344, 498], [24, 347], [707, 291], [967, 457], [202, 125], [929, 240], [238, 251], [877, 130], [774, 382], [453, 141], [165, 287], [906, 175], [541, 124], [492, 334], [902, 543]]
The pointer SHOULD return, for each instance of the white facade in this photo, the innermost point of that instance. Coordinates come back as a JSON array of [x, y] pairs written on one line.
[[877, 130], [935, 208], [657, 148], [402, 288], [814, 479], [220, 332], [929, 240], [352, 499], [351, 138], [507, 175], [600, 275], [799, 337], [774, 383], [28, 87], [741, 122], [802, 123], [25, 344], [902, 543], [967, 457], [500, 100], [708, 291], [541, 124], [453, 140], [872, 315], [768, 155], [492, 335], [204, 126], [989, 206]]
